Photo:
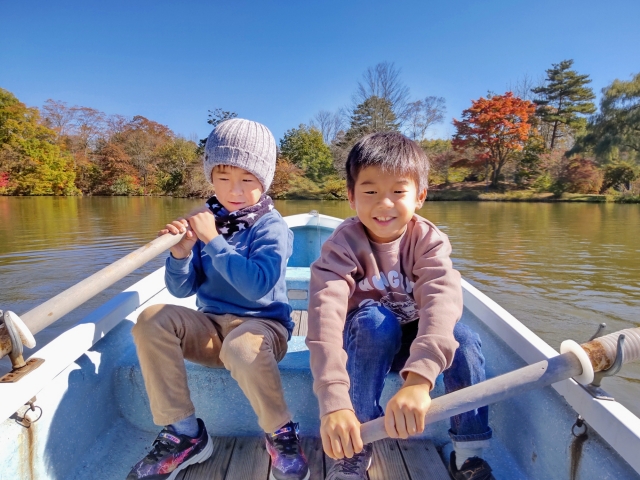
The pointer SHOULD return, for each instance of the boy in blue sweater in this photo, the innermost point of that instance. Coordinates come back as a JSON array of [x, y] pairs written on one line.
[[233, 257]]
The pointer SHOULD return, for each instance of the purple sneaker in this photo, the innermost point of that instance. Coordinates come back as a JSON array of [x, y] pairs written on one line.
[[172, 453], [287, 460]]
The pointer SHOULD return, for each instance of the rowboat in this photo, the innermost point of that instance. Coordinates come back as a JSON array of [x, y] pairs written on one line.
[[83, 412]]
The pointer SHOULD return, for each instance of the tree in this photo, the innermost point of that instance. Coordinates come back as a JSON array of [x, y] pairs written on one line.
[[141, 139], [563, 99], [422, 114], [216, 116], [618, 123], [578, 175], [285, 172], [329, 124], [383, 81], [524, 85], [373, 115], [118, 176], [305, 148], [176, 157], [619, 175], [496, 128], [31, 162]]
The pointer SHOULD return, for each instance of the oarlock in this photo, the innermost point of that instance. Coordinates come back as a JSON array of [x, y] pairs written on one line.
[[14, 336], [603, 356]]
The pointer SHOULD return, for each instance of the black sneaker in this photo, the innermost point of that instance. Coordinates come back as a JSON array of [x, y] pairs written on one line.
[[172, 453], [473, 468], [354, 468], [287, 459]]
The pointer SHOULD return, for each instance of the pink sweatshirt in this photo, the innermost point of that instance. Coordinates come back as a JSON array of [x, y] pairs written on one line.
[[412, 276]]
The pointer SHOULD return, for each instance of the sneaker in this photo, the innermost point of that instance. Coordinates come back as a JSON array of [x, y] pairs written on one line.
[[287, 460], [172, 453], [354, 468], [473, 468]]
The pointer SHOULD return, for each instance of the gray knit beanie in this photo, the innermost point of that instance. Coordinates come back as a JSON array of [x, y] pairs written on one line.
[[244, 144]]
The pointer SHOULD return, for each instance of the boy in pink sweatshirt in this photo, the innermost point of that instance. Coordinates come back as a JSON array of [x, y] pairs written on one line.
[[384, 296]]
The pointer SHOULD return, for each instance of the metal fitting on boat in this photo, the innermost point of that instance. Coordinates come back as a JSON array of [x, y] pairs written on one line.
[[603, 353], [14, 336]]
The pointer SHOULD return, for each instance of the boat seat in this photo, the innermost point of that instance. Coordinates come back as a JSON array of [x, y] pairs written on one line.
[[222, 405], [297, 279]]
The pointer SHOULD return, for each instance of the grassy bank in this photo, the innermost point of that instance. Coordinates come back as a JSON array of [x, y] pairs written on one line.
[[475, 192]]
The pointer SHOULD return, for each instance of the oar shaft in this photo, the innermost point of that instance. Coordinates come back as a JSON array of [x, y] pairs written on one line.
[[45, 314], [528, 378]]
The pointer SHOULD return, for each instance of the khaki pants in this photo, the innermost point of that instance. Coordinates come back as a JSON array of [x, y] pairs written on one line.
[[250, 348]]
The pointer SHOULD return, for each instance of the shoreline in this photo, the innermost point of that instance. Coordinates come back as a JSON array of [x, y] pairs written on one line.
[[435, 195], [528, 196]]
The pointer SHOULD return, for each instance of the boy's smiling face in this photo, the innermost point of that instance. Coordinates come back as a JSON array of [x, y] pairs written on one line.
[[235, 187], [385, 202]]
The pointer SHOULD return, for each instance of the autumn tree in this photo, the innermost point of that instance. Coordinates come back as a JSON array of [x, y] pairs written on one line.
[[285, 172], [496, 128], [563, 101], [31, 161], [141, 139], [305, 148], [117, 174], [79, 130]]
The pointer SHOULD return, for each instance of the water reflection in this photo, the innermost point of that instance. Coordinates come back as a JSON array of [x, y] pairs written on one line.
[[559, 268]]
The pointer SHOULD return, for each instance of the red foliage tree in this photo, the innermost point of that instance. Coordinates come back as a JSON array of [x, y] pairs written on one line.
[[579, 175], [497, 128]]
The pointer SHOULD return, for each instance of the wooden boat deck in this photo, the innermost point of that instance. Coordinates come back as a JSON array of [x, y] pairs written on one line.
[[300, 318], [246, 458]]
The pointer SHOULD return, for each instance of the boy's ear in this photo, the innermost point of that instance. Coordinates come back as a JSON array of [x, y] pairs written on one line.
[[352, 202], [422, 196]]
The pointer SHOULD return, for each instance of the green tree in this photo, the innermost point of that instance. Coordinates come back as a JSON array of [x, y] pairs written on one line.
[[31, 162], [176, 159], [617, 175], [563, 100], [617, 126], [305, 148], [373, 115], [216, 116]]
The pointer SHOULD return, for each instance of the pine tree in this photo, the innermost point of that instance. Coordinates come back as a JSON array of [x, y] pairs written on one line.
[[373, 115], [563, 98]]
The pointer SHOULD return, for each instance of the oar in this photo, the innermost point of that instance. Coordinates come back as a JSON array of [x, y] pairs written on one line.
[[53, 309], [577, 361]]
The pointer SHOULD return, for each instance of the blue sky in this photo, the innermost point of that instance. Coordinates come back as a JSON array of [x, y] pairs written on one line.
[[280, 62]]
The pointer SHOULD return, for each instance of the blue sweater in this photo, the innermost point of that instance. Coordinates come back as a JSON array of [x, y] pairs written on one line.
[[241, 274]]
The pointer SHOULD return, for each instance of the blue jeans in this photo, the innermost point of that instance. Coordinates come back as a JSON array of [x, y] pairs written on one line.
[[376, 344]]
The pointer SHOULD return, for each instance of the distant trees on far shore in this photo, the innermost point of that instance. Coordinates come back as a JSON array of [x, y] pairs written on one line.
[[544, 135]]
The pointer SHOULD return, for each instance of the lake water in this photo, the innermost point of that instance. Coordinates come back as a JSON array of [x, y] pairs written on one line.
[[560, 268]]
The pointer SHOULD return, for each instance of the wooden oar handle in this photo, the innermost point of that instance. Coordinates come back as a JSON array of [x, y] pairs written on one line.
[[599, 352], [490, 391], [48, 312]]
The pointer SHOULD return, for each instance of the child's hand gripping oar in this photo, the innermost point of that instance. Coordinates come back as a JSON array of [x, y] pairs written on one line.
[[577, 361]]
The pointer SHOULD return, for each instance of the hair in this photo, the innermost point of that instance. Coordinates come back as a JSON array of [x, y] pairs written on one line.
[[391, 152], [221, 167]]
